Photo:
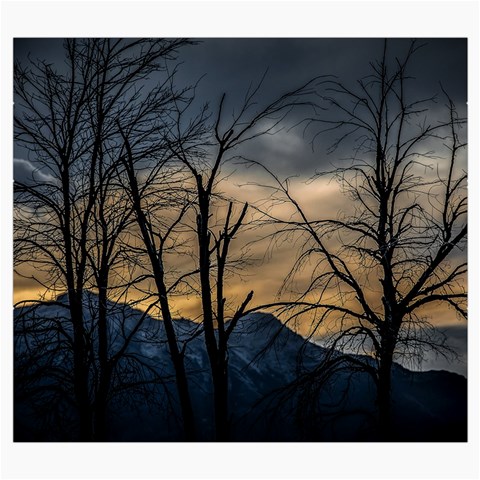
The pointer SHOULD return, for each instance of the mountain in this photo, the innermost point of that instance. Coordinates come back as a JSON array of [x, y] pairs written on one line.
[[272, 395]]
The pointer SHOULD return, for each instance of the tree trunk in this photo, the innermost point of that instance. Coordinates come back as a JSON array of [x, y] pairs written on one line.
[[101, 400], [184, 396], [80, 370], [100, 433], [384, 399], [220, 386], [216, 355], [176, 355], [156, 263]]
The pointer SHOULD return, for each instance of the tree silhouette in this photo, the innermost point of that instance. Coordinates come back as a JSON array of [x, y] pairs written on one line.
[[70, 219], [150, 199], [397, 248], [204, 149], [124, 207]]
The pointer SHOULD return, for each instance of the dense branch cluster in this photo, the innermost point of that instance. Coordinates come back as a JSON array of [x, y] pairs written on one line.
[[396, 249]]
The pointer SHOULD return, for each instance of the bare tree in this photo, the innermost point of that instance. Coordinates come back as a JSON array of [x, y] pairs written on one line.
[[119, 104], [65, 226], [150, 199], [204, 150], [398, 247]]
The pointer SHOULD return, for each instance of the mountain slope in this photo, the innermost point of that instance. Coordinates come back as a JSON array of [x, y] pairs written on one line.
[[268, 402]]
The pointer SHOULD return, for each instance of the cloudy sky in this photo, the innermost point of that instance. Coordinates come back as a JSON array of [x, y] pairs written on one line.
[[231, 65]]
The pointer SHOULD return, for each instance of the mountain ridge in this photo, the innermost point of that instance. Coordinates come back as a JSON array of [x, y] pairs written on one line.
[[263, 363]]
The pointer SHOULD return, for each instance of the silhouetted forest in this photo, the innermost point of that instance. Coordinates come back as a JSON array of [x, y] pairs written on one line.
[[144, 210]]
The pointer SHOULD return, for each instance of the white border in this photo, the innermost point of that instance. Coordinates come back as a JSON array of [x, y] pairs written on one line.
[[219, 18]]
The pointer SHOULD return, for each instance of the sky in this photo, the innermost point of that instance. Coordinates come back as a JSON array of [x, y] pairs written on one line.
[[230, 65]]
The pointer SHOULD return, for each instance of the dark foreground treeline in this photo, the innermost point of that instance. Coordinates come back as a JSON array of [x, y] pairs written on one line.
[[276, 391]]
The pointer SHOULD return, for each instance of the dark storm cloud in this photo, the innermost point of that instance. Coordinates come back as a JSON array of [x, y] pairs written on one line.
[[231, 65], [50, 49]]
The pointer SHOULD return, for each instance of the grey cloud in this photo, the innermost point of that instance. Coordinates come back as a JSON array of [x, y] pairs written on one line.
[[230, 65], [25, 172]]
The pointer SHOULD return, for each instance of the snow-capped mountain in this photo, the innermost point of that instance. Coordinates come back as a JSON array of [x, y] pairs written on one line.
[[271, 398]]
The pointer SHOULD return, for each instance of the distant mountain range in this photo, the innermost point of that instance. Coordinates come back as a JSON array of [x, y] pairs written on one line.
[[272, 395]]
